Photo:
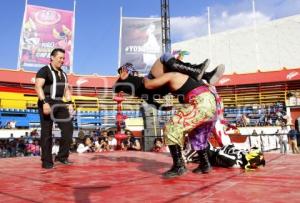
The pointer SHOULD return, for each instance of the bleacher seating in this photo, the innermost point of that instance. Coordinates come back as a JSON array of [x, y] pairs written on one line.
[[22, 117], [254, 113]]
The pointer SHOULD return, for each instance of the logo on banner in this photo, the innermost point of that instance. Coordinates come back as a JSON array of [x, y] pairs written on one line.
[[291, 75], [32, 80], [47, 17], [223, 81], [80, 81]]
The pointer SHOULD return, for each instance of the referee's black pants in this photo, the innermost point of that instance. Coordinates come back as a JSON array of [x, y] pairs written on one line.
[[60, 115]]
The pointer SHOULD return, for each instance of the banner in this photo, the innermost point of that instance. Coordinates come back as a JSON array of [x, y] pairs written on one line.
[[141, 42], [43, 30]]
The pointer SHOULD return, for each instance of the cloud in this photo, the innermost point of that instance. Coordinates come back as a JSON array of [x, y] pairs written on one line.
[[229, 22], [231, 16], [184, 28], [278, 8]]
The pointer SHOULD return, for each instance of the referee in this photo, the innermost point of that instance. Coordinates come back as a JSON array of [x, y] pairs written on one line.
[[51, 85]]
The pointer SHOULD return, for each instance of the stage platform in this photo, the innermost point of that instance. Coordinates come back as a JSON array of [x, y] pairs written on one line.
[[136, 177]]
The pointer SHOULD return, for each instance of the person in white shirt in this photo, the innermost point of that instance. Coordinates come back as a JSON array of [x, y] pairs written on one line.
[[84, 146], [112, 142], [55, 147], [283, 139]]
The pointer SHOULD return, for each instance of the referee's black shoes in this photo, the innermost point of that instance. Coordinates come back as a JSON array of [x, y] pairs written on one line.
[[47, 165], [63, 161]]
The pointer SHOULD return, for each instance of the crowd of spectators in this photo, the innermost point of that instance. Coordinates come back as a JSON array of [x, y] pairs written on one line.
[[85, 142], [23, 146], [260, 116]]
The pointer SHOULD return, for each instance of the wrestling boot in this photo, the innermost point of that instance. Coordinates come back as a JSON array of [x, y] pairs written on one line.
[[213, 76], [204, 166], [178, 167], [195, 71]]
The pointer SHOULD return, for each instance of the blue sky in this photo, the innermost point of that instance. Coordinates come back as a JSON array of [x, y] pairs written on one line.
[[97, 24]]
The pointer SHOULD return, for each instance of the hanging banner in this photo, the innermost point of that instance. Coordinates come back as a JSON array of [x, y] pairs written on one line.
[[43, 30], [141, 42]]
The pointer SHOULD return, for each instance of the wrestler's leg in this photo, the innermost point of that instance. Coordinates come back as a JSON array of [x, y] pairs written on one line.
[[201, 110], [199, 140], [167, 63], [157, 69]]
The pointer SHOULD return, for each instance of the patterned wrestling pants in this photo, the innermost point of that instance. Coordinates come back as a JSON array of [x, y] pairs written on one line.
[[198, 113]]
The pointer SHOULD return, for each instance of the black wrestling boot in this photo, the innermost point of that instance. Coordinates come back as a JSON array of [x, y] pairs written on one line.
[[178, 167], [195, 71], [213, 76], [204, 166], [204, 65]]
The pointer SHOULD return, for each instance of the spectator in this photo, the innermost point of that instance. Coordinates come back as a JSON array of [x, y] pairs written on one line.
[[283, 139], [104, 135], [27, 137], [103, 145], [81, 135], [292, 134], [159, 146], [97, 132], [130, 143], [8, 126], [12, 124], [270, 121], [33, 148], [261, 121], [12, 147], [112, 142], [21, 147], [36, 149], [2, 150], [278, 122], [245, 120], [34, 133], [55, 147], [85, 145]]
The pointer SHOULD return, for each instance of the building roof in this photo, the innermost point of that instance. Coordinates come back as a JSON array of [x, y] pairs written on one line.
[[27, 77], [283, 75]]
